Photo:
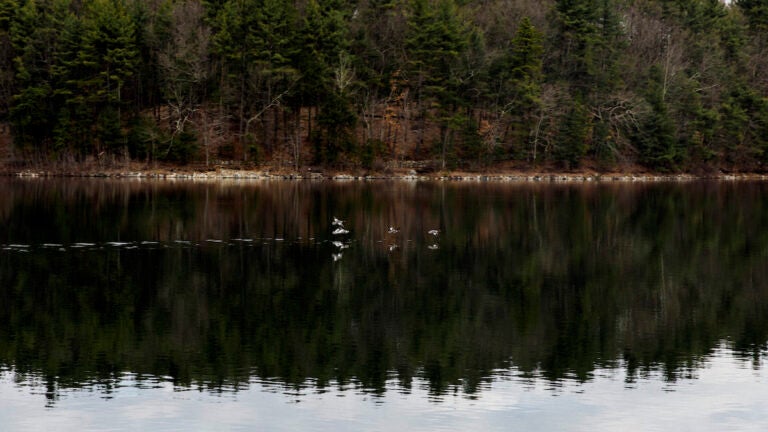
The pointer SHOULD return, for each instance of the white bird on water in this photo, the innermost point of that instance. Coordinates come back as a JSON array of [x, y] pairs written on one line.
[[340, 230], [337, 222], [433, 232]]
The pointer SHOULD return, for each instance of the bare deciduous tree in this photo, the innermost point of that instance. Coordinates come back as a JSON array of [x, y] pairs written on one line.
[[185, 68]]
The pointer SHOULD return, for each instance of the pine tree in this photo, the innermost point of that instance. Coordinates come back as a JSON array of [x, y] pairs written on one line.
[[335, 121], [436, 40], [323, 39], [274, 75], [35, 40], [518, 77], [576, 37], [230, 45], [100, 59], [588, 41], [743, 126], [657, 135], [256, 40], [152, 24], [8, 10], [756, 12], [573, 136]]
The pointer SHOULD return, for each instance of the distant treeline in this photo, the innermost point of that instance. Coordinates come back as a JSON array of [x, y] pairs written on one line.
[[667, 84]]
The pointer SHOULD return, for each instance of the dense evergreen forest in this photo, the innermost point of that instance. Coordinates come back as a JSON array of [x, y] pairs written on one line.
[[669, 85]]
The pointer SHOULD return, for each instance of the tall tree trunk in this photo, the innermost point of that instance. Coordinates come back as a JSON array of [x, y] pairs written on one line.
[[241, 117]]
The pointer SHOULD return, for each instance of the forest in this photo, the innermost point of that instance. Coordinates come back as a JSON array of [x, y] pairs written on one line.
[[664, 85]]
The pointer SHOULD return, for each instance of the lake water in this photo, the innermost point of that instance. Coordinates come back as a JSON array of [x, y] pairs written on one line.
[[161, 305]]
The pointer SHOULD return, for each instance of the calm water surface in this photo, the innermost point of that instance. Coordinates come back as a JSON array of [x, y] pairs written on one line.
[[138, 305]]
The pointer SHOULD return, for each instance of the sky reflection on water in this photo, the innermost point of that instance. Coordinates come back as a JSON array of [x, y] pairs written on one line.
[[727, 394]]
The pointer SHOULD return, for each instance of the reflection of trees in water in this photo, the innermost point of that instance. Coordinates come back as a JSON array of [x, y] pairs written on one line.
[[554, 280]]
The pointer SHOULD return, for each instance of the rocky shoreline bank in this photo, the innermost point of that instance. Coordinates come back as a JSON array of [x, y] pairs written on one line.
[[411, 175]]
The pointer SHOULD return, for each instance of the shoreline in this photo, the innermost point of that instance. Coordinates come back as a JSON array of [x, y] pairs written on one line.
[[256, 175], [498, 173], [457, 176]]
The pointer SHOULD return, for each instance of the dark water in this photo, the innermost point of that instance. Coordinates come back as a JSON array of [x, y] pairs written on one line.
[[129, 305]]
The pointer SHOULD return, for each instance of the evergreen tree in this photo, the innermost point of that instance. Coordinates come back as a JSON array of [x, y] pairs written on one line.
[[7, 16], [100, 59], [573, 136], [587, 41], [695, 122], [322, 39], [436, 40], [152, 24], [335, 121], [256, 40], [35, 40], [75, 120], [743, 127], [518, 76], [657, 140], [274, 71], [575, 39], [378, 31], [230, 45], [756, 12]]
